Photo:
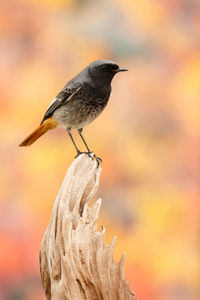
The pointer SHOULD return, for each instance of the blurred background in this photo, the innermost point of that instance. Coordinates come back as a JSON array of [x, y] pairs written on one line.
[[148, 136]]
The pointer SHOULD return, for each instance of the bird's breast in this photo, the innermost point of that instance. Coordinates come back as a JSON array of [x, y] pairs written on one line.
[[85, 107], [100, 91], [79, 112]]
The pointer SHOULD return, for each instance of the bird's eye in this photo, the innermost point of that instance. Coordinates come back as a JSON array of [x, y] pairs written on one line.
[[104, 68]]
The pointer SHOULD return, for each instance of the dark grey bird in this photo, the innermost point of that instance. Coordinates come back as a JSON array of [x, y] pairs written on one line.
[[80, 102]]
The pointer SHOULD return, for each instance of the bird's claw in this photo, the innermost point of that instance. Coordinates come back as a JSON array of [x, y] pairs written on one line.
[[98, 160], [91, 155], [78, 153]]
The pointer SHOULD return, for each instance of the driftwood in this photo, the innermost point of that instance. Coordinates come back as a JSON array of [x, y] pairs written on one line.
[[75, 264]]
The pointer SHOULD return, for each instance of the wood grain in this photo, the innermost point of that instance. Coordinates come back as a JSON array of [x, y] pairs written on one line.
[[75, 264]]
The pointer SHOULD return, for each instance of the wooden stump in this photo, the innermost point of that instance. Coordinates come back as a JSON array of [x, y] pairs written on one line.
[[75, 264]]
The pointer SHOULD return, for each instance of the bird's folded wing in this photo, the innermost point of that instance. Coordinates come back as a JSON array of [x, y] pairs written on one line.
[[63, 97]]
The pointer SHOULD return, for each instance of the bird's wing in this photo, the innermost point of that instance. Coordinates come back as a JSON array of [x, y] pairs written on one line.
[[66, 94]]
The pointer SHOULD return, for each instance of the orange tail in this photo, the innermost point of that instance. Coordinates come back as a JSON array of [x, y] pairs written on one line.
[[44, 127]]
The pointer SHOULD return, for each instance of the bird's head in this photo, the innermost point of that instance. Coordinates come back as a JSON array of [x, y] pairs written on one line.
[[103, 70]]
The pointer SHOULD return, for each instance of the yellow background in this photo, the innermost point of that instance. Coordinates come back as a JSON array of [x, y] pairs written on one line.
[[148, 136]]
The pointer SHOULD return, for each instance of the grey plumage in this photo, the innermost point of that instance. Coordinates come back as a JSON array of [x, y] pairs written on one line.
[[81, 101], [84, 97]]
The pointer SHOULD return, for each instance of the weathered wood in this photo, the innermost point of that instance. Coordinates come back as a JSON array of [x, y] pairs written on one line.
[[75, 264]]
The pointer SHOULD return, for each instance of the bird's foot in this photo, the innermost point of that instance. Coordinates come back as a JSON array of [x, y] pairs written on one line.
[[78, 153], [91, 155], [98, 160]]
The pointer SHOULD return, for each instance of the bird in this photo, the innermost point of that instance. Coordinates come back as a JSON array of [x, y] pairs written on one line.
[[79, 103]]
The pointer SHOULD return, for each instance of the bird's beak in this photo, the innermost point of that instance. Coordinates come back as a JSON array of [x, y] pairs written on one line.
[[121, 70]]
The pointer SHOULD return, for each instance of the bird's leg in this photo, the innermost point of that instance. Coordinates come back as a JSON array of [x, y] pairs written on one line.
[[80, 133], [98, 159], [71, 137]]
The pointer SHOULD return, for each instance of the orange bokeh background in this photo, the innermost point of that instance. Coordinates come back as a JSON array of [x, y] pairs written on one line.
[[148, 136]]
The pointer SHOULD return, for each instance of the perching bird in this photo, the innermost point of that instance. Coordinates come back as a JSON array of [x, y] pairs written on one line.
[[80, 102]]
